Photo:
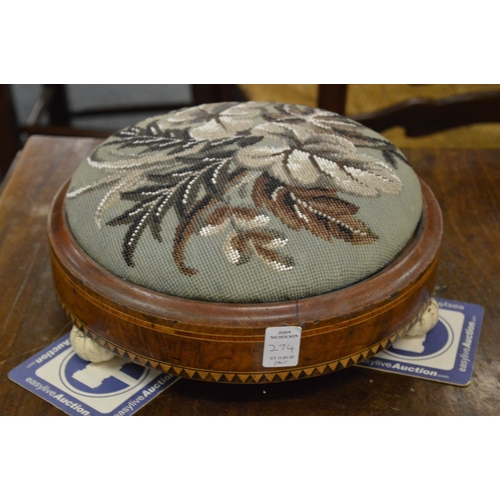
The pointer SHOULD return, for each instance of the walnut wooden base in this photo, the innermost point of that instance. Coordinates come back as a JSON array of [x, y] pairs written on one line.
[[224, 342]]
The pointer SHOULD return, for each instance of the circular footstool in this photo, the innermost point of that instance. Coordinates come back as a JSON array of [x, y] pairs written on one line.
[[245, 243]]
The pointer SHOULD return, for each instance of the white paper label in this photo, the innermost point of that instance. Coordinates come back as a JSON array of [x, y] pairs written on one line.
[[281, 346]]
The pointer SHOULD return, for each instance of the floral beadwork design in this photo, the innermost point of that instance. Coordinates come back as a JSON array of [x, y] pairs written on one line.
[[294, 161]]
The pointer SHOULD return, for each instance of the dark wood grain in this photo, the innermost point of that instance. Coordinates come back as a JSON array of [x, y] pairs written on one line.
[[464, 182]]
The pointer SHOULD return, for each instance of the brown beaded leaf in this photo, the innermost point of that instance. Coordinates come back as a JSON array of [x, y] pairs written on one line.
[[319, 210], [246, 237], [241, 245]]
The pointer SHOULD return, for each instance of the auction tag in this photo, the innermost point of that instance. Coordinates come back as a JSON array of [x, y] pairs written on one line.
[[77, 387], [281, 346], [445, 354]]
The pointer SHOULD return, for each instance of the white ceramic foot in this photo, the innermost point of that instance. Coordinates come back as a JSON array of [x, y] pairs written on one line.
[[427, 321], [87, 349]]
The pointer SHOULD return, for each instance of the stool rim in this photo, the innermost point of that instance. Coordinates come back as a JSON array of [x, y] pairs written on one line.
[[398, 275]]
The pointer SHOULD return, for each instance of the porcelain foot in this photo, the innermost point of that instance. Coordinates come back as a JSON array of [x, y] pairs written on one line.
[[88, 349], [427, 321]]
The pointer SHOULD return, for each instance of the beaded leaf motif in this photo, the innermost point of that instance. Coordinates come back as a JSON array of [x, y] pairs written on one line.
[[293, 160]]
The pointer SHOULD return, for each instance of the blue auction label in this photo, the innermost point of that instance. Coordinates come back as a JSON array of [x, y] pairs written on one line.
[[445, 354], [77, 387]]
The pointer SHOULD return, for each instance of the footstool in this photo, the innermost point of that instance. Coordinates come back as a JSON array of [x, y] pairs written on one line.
[[245, 243]]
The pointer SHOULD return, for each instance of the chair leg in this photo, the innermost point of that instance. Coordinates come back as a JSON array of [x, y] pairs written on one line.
[[9, 131], [332, 97], [206, 93], [57, 106]]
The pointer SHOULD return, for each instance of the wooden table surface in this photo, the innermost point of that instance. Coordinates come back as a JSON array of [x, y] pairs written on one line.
[[467, 186]]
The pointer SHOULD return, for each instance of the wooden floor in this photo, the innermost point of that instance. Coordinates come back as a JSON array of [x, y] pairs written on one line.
[[365, 98]]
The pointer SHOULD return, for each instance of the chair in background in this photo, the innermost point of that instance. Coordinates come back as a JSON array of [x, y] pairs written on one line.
[[52, 115], [413, 113], [54, 101], [420, 116], [400, 122]]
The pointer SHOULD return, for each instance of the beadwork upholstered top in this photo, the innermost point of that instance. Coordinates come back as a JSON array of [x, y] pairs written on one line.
[[244, 202]]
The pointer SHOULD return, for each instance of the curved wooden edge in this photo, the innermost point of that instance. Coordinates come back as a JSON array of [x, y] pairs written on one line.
[[387, 286], [226, 332], [254, 377], [225, 342]]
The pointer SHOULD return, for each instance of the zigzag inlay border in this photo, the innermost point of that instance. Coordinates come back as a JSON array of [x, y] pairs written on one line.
[[245, 377]]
